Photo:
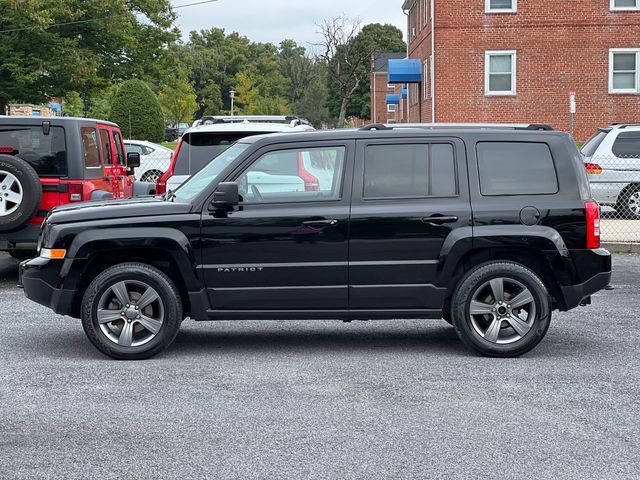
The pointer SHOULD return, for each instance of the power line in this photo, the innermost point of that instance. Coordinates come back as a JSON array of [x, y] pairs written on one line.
[[77, 22]]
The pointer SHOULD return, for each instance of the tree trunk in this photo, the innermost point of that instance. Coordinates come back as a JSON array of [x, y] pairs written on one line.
[[343, 112]]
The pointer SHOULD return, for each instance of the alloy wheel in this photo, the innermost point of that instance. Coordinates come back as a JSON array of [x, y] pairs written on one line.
[[502, 311], [130, 313], [633, 203], [11, 193]]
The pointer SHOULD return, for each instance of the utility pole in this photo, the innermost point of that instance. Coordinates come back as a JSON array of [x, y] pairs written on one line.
[[232, 94]]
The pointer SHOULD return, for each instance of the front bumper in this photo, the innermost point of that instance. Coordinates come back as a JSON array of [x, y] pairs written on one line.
[[39, 278]]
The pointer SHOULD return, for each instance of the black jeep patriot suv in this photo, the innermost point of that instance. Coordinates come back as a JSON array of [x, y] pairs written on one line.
[[489, 229]]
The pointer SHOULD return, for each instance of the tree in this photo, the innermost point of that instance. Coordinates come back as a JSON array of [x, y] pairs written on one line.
[[137, 110], [178, 102], [73, 105], [51, 48], [347, 52]]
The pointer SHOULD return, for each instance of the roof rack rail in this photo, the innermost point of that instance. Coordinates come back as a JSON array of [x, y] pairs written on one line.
[[626, 124], [375, 126]]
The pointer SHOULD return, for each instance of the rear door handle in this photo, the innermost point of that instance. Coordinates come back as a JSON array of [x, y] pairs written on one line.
[[440, 219], [320, 223]]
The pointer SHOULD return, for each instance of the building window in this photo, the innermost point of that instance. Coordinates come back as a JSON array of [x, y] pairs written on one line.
[[425, 9], [425, 79], [391, 108], [493, 6], [625, 4], [500, 73], [624, 70], [390, 86]]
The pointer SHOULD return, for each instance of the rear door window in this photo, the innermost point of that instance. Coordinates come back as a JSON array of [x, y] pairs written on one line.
[[627, 145], [198, 149], [47, 154], [105, 141], [510, 168], [90, 147], [409, 171]]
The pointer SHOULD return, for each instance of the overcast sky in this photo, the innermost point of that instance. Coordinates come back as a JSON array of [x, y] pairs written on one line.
[[275, 20]]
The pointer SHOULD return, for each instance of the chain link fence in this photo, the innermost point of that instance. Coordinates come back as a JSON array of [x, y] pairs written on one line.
[[615, 185], [154, 161]]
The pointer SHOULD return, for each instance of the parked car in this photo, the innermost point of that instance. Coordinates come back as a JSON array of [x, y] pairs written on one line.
[[612, 160], [200, 144], [173, 133], [490, 229], [46, 162], [154, 159]]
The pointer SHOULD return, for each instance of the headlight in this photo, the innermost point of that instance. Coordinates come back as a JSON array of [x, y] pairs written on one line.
[[53, 253]]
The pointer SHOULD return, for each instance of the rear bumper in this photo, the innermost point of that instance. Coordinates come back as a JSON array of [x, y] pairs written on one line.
[[36, 276], [24, 239], [594, 273]]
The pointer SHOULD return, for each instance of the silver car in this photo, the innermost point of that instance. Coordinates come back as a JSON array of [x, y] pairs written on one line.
[[612, 160]]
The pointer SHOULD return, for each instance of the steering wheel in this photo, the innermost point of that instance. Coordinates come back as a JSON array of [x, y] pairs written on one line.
[[256, 193]]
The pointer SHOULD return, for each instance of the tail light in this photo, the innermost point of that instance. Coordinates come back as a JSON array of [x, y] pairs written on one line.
[[592, 211], [9, 150], [311, 182], [593, 168], [76, 191], [161, 184]]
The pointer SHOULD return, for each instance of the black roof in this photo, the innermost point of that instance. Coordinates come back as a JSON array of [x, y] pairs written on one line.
[[417, 132], [381, 61]]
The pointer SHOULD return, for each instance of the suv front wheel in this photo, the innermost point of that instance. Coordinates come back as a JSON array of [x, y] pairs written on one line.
[[501, 309], [131, 311]]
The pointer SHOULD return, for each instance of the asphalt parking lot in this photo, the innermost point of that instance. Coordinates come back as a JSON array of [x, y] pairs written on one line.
[[323, 399]]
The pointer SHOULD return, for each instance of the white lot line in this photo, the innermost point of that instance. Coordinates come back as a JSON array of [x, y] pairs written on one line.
[[620, 230]]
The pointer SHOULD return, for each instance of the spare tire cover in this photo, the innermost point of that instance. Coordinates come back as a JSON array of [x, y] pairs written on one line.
[[20, 192]]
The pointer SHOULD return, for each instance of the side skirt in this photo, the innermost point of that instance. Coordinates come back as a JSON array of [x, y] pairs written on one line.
[[396, 314]]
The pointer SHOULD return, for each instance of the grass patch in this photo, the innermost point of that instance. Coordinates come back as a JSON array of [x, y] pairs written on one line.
[[171, 145]]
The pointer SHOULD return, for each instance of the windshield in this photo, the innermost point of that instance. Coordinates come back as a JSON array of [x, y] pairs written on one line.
[[197, 183], [591, 145]]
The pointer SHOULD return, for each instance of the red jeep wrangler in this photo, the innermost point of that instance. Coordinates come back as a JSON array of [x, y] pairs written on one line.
[[51, 161]]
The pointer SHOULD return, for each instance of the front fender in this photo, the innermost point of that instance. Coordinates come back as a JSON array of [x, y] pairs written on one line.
[[117, 241]]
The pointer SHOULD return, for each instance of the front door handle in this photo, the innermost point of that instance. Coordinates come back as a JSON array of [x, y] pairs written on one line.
[[439, 219], [320, 223]]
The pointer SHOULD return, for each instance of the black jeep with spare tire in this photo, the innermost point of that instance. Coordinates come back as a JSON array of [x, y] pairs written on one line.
[[491, 229], [46, 162]]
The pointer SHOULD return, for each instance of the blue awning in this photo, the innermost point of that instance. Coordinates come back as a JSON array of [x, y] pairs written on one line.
[[405, 71], [393, 99]]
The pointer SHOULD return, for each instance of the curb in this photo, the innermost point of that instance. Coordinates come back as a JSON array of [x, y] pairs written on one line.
[[621, 247]]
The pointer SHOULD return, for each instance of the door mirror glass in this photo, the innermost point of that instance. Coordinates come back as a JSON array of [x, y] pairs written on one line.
[[225, 198], [133, 159]]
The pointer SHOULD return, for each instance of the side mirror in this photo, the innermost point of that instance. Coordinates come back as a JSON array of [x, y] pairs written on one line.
[[225, 198], [133, 159]]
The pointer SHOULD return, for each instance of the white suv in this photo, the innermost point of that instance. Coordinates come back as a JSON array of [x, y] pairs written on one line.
[[202, 143], [612, 160]]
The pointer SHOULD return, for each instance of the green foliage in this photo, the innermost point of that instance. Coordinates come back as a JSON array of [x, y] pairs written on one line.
[[73, 105], [44, 55], [178, 102], [137, 111]]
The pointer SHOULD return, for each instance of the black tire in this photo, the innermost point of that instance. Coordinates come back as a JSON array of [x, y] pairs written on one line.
[[512, 275], [29, 184], [101, 286], [23, 254], [628, 206]]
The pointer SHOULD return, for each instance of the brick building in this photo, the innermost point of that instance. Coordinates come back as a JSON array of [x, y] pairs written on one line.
[[517, 60], [380, 111]]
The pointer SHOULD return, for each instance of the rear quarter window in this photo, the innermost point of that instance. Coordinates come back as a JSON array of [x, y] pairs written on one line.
[[627, 145], [516, 168]]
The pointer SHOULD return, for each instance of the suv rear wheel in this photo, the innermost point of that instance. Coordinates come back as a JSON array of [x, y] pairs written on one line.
[[131, 311], [629, 203], [20, 192], [501, 309]]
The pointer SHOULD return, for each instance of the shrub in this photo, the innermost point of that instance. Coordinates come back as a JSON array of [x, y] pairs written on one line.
[[136, 109]]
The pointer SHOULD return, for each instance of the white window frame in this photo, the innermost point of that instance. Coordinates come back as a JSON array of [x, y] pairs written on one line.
[[513, 9], [392, 108], [390, 86], [425, 79], [613, 7], [612, 52], [514, 62]]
